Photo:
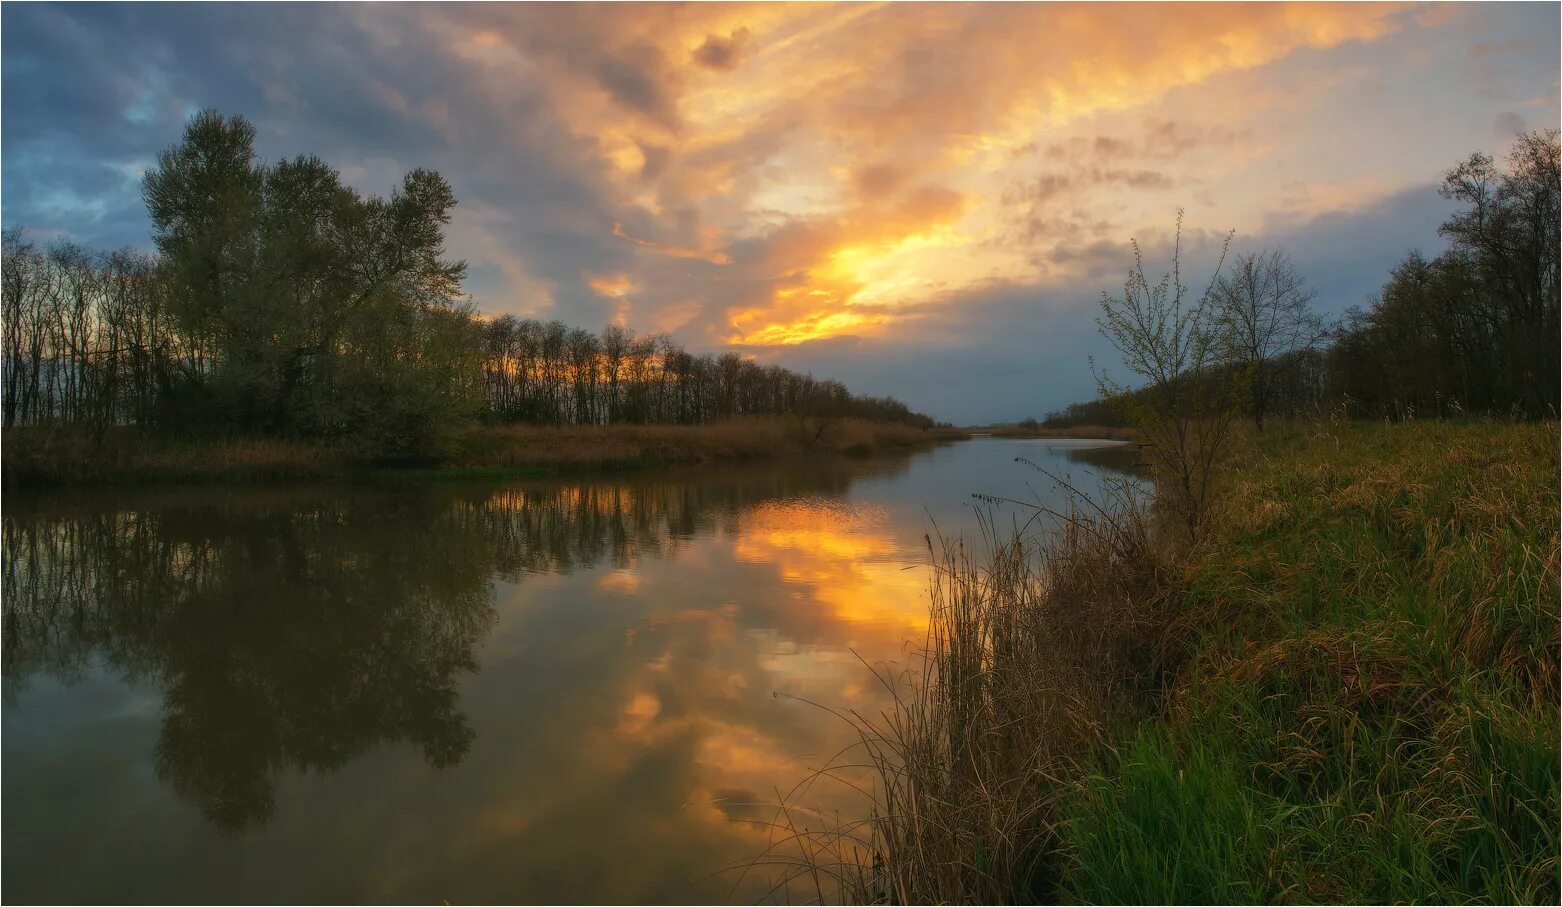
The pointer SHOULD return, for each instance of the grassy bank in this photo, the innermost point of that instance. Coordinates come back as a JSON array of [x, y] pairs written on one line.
[[1348, 691], [45, 456]]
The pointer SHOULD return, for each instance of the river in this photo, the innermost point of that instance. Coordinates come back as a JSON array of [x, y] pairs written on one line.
[[561, 691]]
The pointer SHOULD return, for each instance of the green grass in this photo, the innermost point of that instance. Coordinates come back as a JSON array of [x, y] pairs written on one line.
[[1366, 707]]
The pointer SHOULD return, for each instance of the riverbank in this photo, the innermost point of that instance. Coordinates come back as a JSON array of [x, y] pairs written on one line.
[[1093, 432], [46, 456], [1348, 691]]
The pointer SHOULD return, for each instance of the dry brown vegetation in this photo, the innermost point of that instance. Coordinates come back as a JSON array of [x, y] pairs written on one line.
[[53, 455], [37, 455], [1033, 641], [1031, 646], [636, 445]]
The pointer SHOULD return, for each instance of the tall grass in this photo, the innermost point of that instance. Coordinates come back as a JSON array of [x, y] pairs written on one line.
[[1368, 707], [1346, 691], [1033, 635], [68, 455]]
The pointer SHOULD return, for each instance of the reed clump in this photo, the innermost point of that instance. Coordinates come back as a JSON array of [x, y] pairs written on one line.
[[1345, 690], [1014, 694], [1033, 638], [68, 455]]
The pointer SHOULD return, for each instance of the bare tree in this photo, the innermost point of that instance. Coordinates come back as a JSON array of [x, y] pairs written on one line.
[[1263, 309], [1173, 341]]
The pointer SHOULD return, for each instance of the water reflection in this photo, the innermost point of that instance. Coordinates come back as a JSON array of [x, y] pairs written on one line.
[[1124, 459], [529, 692], [276, 633], [842, 554]]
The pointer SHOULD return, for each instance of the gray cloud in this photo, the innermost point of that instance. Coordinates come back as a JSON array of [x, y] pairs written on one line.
[[721, 54]]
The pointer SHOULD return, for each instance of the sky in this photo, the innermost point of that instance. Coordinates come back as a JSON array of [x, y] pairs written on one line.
[[924, 200]]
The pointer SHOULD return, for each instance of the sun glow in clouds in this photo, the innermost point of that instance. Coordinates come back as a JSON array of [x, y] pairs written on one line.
[[947, 177], [808, 172]]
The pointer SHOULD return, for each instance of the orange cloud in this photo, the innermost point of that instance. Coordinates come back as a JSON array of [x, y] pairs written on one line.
[[614, 285], [841, 166]]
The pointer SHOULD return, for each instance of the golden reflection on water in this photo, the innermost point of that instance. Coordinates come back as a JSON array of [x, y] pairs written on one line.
[[819, 589], [847, 560]]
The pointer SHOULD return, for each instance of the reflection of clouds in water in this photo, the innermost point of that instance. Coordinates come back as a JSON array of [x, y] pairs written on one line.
[[693, 693], [628, 638], [810, 581], [577, 743], [639, 713], [626, 582], [846, 557]]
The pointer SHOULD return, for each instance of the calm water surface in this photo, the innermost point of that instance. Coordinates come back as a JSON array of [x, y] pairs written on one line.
[[531, 692]]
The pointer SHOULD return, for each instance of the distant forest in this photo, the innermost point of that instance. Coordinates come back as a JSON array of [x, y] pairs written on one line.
[[1474, 331], [282, 302]]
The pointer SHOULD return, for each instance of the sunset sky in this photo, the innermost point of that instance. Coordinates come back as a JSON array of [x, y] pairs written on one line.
[[922, 200]]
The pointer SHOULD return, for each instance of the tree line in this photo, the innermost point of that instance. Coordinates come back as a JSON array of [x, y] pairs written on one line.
[[550, 373], [1474, 330], [85, 336], [282, 302]]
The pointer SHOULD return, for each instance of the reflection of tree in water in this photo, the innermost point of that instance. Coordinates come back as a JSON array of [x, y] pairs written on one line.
[[295, 631], [283, 636], [558, 528]]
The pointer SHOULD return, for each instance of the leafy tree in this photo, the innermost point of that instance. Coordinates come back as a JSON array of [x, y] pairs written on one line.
[[327, 314], [1512, 228], [1474, 329]]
